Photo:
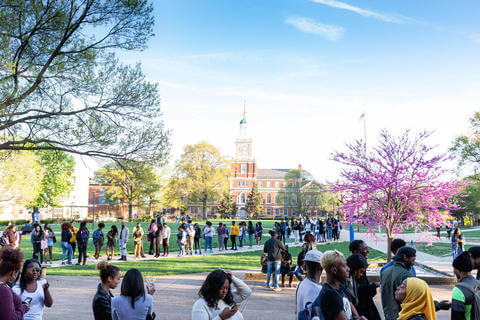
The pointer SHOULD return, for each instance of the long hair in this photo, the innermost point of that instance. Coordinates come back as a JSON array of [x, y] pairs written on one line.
[[132, 285], [23, 276], [212, 285], [114, 230]]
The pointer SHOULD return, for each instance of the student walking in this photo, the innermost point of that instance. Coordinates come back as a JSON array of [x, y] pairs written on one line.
[[457, 243], [209, 233], [50, 239], [102, 301], [165, 239], [66, 245], [122, 241], [98, 240], [35, 288], [82, 240], [111, 240]]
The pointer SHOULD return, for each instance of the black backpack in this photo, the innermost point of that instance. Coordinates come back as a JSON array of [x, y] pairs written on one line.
[[475, 313]]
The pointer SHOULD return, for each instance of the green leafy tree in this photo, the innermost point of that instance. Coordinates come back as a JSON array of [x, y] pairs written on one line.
[[131, 183], [62, 88], [58, 179], [20, 176], [467, 147], [227, 206], [254, 204], [301, 192], [470, 200], [201, 175]]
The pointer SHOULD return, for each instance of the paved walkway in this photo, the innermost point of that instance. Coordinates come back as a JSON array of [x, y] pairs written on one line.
[[173, 299]]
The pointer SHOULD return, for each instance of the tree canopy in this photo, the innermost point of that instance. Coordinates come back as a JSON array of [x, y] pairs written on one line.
[[467, 147], [398, 184], [202, 174], [62, 88]]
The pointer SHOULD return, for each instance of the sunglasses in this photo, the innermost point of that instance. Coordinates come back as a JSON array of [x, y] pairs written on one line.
[[38, 270]]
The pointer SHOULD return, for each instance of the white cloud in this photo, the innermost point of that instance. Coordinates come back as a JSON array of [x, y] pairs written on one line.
[[328, 31], [366, 13]]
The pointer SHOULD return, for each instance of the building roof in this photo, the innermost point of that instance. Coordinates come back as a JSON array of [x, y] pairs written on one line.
[[271, 173]]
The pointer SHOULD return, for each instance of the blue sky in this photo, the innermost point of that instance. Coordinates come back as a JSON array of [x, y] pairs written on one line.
[[309, 69]]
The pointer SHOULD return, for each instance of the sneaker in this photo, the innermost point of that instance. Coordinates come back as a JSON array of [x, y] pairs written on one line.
[[276, 289], [63, 262]]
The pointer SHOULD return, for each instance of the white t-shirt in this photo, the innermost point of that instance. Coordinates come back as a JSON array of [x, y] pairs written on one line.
[[38, 300], [307, 291], [209, 231]]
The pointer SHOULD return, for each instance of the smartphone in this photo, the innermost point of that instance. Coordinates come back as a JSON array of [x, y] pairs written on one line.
[[27, 300], [236, 307]]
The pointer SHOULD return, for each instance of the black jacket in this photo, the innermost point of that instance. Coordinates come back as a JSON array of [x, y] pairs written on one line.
[[102, 304]]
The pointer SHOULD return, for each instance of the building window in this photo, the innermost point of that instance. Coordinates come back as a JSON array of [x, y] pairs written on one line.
[[277, 212], [243, 168], [277, 198], [242, 198], [269, 211], [268, 184], [269, 198], [239, 183], [260, 184], [277, 184], [102, 190]]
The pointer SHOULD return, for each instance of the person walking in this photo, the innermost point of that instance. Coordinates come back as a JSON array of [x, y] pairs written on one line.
[[102, 301], [98, 239], [217, 299], [137, 240], [258, 233], [234, 233], [82, 240], [152, 236], [66, 245], [463, 300], [209, 233], [165, 235], [122, 241], [51, 239], [111, 240], [11, 306], [34, 288], [73, 239], [133, 303], [309, 289], [392, 277], [37, 237], [251, 234], [416, 300], [273, 247], [196, 238]]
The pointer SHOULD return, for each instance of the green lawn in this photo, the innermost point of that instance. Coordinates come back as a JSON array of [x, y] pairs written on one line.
[[237, 261], [27, 248], [437, 249]]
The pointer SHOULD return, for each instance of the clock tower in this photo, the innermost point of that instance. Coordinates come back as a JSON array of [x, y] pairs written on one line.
[[243, 142]]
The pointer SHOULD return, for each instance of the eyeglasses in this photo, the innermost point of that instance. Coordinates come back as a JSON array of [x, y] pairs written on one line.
[[38, 270]]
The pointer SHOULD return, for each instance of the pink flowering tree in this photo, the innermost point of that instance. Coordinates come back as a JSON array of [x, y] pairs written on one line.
[[397, 185]]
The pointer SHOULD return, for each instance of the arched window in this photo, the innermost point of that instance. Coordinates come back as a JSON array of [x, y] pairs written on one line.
[[269, 198]]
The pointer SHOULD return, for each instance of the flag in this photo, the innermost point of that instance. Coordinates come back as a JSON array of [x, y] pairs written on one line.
[[362, 116]]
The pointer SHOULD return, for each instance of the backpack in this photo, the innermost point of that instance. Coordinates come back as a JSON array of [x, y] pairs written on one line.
[[311, 311], [82, 235], [475, 313]]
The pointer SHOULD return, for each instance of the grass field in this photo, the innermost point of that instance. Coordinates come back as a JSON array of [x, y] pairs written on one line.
[[437, 248], [205, 263]]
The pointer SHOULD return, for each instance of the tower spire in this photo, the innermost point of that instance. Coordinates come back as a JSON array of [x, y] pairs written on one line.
[[244, 107]]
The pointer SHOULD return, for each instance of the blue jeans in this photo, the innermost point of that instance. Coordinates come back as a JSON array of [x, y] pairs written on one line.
[[181, 247], [66, 246], [273, 265], [208, 243], [250, 239], [240, 241], [329, 233]]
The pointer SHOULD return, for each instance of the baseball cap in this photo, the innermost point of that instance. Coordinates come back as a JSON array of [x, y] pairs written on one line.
[[313, 256]]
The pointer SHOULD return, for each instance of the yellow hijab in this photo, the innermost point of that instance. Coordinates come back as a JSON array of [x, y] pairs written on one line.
[[418, 300]]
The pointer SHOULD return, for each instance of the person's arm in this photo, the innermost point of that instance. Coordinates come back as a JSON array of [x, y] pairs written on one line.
[[48, 301], [243, 291], [199, 312], [11, 305]]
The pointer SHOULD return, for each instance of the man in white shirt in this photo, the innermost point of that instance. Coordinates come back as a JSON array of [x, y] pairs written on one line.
[[308, 289], [122, 241]]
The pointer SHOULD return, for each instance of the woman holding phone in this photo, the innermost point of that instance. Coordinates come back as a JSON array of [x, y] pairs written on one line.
[[33, 290], [217, 301]]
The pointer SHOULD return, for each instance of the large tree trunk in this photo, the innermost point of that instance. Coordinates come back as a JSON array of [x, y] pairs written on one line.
[[389, 243], [204, 208], [130, 210]]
